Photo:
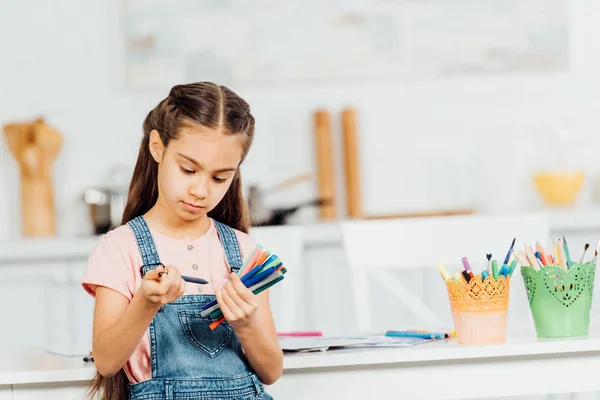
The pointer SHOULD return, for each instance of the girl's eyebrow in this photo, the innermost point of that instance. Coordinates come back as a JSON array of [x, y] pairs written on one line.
[[197, 164]]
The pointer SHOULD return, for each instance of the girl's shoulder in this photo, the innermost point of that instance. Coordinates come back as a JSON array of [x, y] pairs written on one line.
[[121, 238], [113, 262]]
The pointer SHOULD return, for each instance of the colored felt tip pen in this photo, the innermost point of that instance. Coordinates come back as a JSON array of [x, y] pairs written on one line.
[[567, 254], [467, 267], [299, 334], [194, 280], [495, 269], [443, 272], [484, 275], [503, 270], [511, 268], [465, 275], [417, 335]]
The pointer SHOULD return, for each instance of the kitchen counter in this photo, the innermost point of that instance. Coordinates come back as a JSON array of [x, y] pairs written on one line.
[[359, 373]]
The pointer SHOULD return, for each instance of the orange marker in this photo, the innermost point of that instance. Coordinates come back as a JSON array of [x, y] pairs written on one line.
[[216, 323], [251, 260]]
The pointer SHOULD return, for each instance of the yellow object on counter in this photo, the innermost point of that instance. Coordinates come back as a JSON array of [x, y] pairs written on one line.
[[559, 188]]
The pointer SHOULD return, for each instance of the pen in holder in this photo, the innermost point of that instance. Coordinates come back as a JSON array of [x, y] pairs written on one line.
[[479, 308], [560, 298]]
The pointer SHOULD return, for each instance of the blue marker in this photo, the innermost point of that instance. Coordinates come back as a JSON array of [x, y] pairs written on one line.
[[416, 335], [484, 275], [194, 280]]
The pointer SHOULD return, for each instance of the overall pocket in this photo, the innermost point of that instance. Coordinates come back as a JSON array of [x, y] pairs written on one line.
[[197, 332]]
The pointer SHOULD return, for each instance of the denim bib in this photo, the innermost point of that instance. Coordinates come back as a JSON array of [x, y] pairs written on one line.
[[189, 361]]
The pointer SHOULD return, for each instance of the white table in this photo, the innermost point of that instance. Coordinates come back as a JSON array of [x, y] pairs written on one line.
[[446, 370], [438, 370]]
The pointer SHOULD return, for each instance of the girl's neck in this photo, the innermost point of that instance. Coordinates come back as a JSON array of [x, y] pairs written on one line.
[[163, 220]]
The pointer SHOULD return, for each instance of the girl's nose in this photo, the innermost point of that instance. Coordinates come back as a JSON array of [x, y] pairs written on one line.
[[199, 190]]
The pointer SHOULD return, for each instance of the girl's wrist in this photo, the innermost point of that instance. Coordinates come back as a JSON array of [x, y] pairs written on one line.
[[145, 301], [249, 330]]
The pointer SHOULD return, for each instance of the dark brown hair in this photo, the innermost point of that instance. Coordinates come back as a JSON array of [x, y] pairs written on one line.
[[202, 103]]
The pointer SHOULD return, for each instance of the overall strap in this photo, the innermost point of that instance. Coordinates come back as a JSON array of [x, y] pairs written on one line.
[[143, 237], [230, 244]]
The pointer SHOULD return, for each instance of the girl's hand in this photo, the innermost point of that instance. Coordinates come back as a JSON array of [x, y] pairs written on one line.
[[162, 285], [237, 303]]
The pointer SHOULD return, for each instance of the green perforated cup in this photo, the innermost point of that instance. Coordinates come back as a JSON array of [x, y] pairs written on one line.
[[560, 299]]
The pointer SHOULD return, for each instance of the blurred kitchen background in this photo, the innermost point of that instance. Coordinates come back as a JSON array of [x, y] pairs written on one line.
[[364, 109], [444, 121]]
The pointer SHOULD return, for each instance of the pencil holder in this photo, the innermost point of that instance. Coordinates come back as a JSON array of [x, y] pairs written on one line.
[[560, 299], [479, 309]]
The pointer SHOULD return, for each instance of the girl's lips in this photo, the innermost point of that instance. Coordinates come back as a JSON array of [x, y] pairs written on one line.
[[192, 208]]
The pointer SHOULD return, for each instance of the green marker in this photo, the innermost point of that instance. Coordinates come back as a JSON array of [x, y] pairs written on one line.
[[511, 268], [566, 247], [495, 269]]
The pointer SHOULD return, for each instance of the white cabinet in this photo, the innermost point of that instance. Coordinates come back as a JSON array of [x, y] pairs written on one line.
[[5, 392], [44, 305]]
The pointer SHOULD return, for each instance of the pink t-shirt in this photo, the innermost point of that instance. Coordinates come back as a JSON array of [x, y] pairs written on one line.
[[115, 263]]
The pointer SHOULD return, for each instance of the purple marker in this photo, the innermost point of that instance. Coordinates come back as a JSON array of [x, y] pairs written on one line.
[[467, 267]]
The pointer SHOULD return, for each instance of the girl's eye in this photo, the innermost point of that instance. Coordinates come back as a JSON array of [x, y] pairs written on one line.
[[187, 171], [219, 180]]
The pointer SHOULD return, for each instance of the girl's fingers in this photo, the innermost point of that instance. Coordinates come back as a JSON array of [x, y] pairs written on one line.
[[233, 307], [229, 316], [165, 283], [242, 291], [153, 274], [182, 287], [238, 300], [174, 273]]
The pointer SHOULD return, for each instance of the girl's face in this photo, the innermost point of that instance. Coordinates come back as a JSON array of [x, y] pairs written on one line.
[[196, 169]]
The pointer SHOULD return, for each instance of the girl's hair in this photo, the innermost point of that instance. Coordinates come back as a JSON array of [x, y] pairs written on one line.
[[201, 103]]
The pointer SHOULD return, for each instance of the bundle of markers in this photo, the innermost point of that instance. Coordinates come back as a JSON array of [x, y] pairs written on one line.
[[261, 270], [508, 267], [562, 257]]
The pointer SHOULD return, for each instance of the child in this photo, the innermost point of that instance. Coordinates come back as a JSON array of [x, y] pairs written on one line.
[[185, 215]]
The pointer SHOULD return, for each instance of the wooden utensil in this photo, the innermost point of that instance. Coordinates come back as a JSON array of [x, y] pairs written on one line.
[[351, 163], [325, 168], [35, 145]]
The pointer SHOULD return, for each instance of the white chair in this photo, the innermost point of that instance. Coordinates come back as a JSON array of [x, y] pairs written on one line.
[[288, 243], [376, 247]]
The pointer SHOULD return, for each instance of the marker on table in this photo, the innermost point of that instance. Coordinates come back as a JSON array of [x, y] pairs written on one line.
[[299, 334], [417, 335]]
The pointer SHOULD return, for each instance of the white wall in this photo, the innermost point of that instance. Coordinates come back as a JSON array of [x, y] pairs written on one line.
[[64, 60]]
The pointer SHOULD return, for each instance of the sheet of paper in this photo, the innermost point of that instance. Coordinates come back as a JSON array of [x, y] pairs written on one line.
[[325, 343]]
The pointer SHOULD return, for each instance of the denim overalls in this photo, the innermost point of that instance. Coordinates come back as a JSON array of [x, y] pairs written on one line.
[[189, 361]]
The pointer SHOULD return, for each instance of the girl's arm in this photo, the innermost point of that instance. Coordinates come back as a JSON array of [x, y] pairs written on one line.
[[252, 319], [119, 325]]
